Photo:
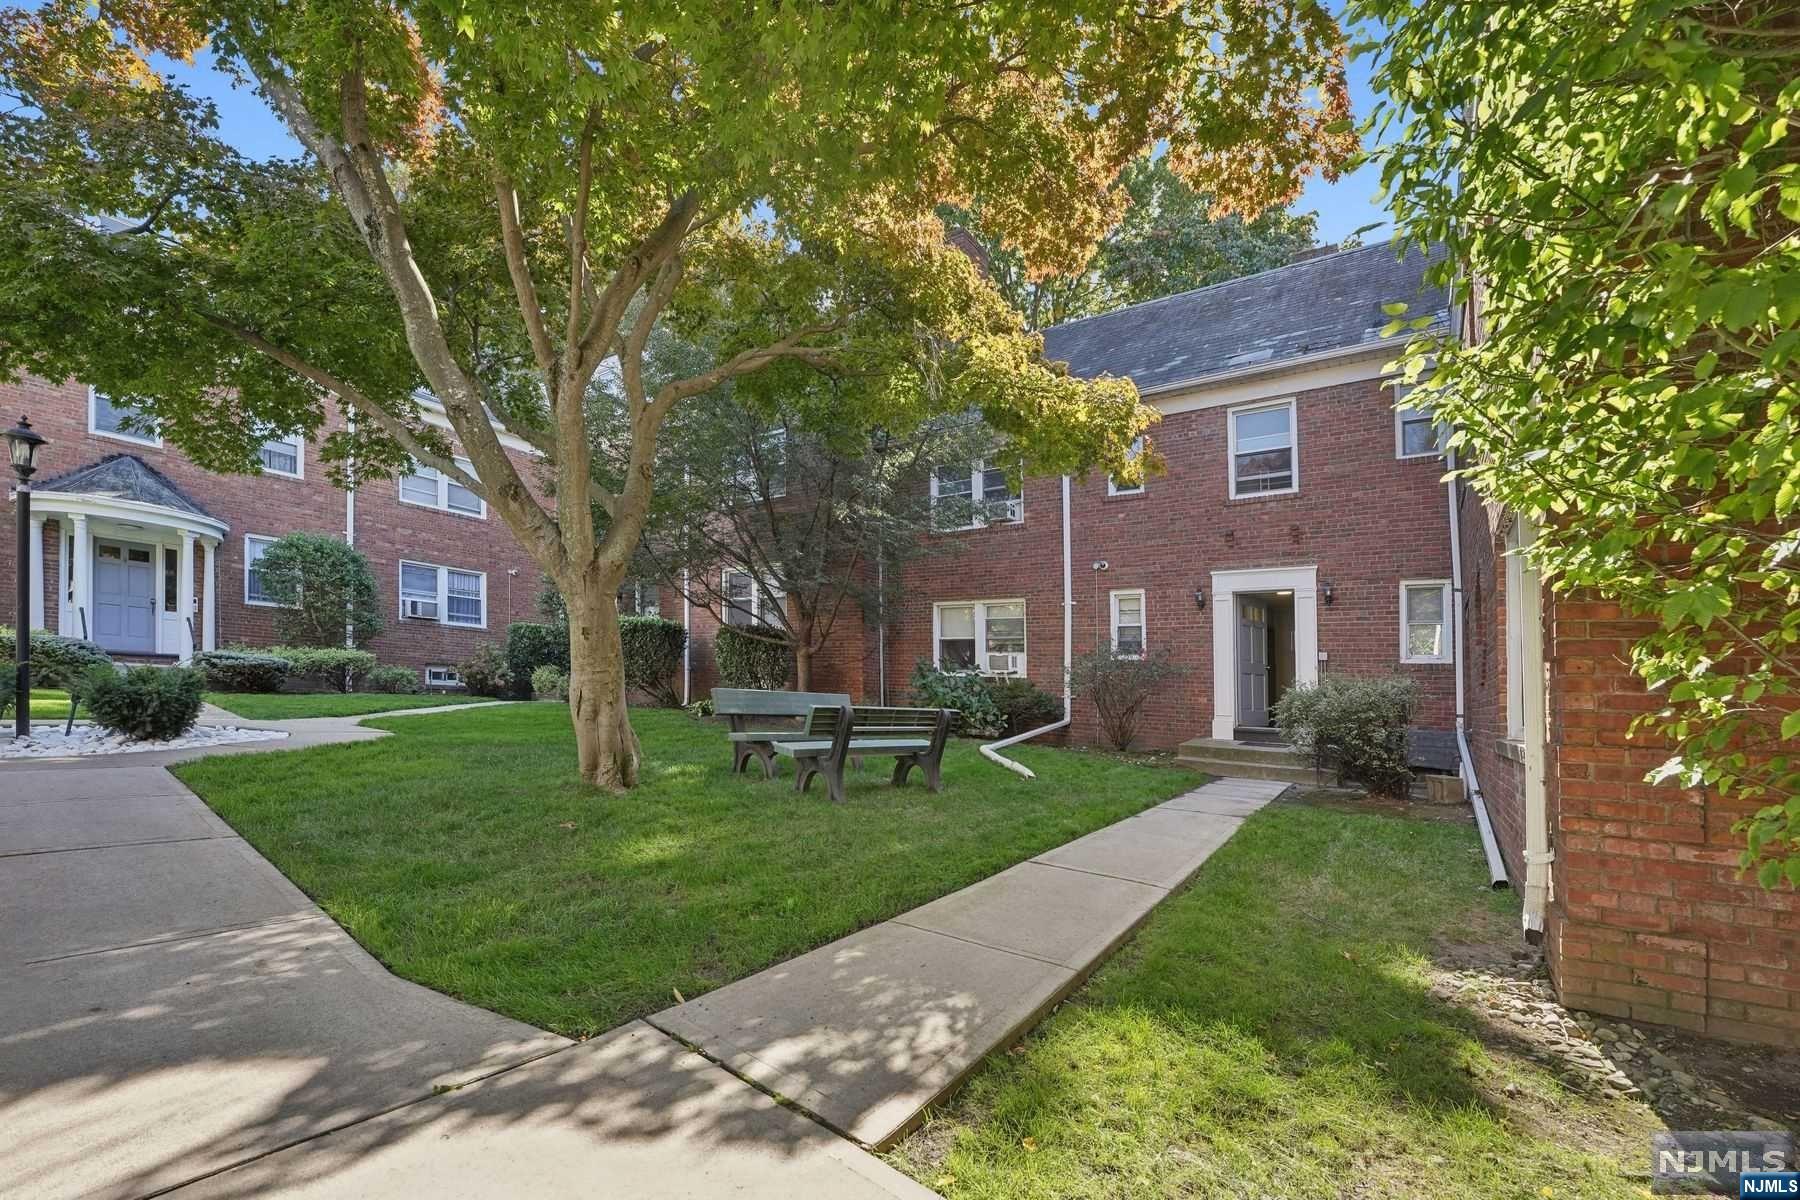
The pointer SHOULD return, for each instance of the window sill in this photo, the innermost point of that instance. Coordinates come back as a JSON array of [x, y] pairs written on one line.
[[448, 512], [1511, 749], [1255, 496], [129, 438]]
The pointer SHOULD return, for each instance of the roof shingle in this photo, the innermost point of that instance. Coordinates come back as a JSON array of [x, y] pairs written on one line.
[[124, 477]]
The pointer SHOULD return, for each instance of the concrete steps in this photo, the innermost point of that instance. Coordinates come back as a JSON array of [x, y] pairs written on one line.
[[1248, 760]]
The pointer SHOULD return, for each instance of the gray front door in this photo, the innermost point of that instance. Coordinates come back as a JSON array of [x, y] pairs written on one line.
[[124, 597], [1253, 662]]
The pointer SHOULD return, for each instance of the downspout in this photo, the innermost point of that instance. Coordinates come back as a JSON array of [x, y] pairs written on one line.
[[350, 521], [687, 644], [1538, 854], [991, 751], [1489, 847], [881, 624]]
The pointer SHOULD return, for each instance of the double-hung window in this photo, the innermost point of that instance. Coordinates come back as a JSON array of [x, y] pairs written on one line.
[[1263, 450], [971, 495], [639, 599], [1128, 623], [284, 455], [746, 601], [443, 594], [254, 548], [1115, 488], [986, 636], [430, 488], [120, 421], [1416, 434], [1425, 621]]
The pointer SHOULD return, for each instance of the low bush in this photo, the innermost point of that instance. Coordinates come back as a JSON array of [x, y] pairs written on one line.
[[1024, 705], [145, 703], [653, 649], [967, 693], [9, 687], [1353, 725], [241, 670], [753, 656], [530, 645], [395, 681], [335, 667], [485, 673], [548, 683], [1119, 686], [56, 661], [700, 709]]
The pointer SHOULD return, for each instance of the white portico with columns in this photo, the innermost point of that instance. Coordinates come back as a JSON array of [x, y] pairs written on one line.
[[127, 539]]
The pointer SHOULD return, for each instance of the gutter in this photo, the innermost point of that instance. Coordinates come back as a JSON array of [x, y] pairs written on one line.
[[1489, 847], [1269, 367], [991, 751]]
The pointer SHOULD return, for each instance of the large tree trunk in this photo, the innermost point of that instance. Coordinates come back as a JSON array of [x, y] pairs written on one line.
[[803, 667], [604, 741]]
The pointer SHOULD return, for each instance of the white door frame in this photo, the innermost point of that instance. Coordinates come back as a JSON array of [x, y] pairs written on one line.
[[1226, 585]]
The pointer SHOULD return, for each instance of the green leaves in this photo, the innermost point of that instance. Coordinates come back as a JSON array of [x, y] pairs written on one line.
[[1628, 201]]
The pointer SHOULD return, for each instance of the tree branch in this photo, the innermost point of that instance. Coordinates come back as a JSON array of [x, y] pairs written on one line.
[[513, 238]]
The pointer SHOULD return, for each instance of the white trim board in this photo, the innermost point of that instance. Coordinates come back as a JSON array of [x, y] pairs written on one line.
[[1274, 383], [1226, 587]]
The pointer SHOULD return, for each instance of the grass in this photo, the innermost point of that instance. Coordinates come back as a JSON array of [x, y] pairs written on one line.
[[285, 706], [1269, 1033], [47, 704], [464, 853]]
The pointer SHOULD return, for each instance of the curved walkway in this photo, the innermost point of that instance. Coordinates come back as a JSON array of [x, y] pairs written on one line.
[[174, 1013]]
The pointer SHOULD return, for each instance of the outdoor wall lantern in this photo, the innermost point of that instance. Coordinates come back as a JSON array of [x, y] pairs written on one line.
[[1199, 597], [23, 441], [1327, 592]]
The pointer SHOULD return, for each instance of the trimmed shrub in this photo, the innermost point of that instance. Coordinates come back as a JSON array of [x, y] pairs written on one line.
[[755, 656], [241, 670], [1024, 705], [335, 667], [9, 686], [1119, 686], [530, 645], [56, 661], [397, 681], [320, 584], [485, 673], [700, 709], [145, 703], [653, 649], [548, 683], [966, 692], [1355, 726]]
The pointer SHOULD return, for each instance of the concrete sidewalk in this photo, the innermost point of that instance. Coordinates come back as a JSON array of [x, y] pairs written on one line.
[[868, 1031], [177, 1015]]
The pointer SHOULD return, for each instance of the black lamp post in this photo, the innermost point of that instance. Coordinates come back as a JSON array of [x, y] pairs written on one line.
[[23, 442]]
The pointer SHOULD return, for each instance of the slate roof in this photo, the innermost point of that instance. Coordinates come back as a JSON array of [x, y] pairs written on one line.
[[124, 477], [1331, 302]]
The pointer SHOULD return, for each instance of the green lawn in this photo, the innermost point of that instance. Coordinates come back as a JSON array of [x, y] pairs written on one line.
[[1269, 1033], [47, 704], [464, 853], [283, 706]]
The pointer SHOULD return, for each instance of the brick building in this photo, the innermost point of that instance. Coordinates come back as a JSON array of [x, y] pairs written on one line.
[[154, 558], [1297, 518]]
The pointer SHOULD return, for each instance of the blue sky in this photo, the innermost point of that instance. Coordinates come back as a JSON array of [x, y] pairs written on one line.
[[1343, 207]]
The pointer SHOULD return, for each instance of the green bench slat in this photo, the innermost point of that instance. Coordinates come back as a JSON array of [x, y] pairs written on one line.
[[858, 746], [750, 702]]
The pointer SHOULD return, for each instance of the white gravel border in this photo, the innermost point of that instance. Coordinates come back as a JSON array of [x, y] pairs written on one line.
[[48, 741]]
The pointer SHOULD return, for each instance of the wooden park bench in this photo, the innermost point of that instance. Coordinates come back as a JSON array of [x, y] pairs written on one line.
[[759, 719], [836, 733]]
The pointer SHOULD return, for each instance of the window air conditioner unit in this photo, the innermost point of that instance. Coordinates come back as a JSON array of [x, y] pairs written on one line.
[[1005, 664], [420, 610]]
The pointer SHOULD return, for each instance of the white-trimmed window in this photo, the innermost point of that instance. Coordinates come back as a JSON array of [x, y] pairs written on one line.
[[1425, 621], [284, 455], [746, 602], [120, 421], [1416, 435], [444, 677], [1128, 623], [254, 548], [1264, 450], [638, 598], [1114, 487], [971, 495], [982, 635], [429, 487], [769, 465], [443, 594]]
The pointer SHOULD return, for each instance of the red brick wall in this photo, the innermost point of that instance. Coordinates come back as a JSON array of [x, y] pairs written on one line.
[[273, 505], [1650, 919], [1364, 518]]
